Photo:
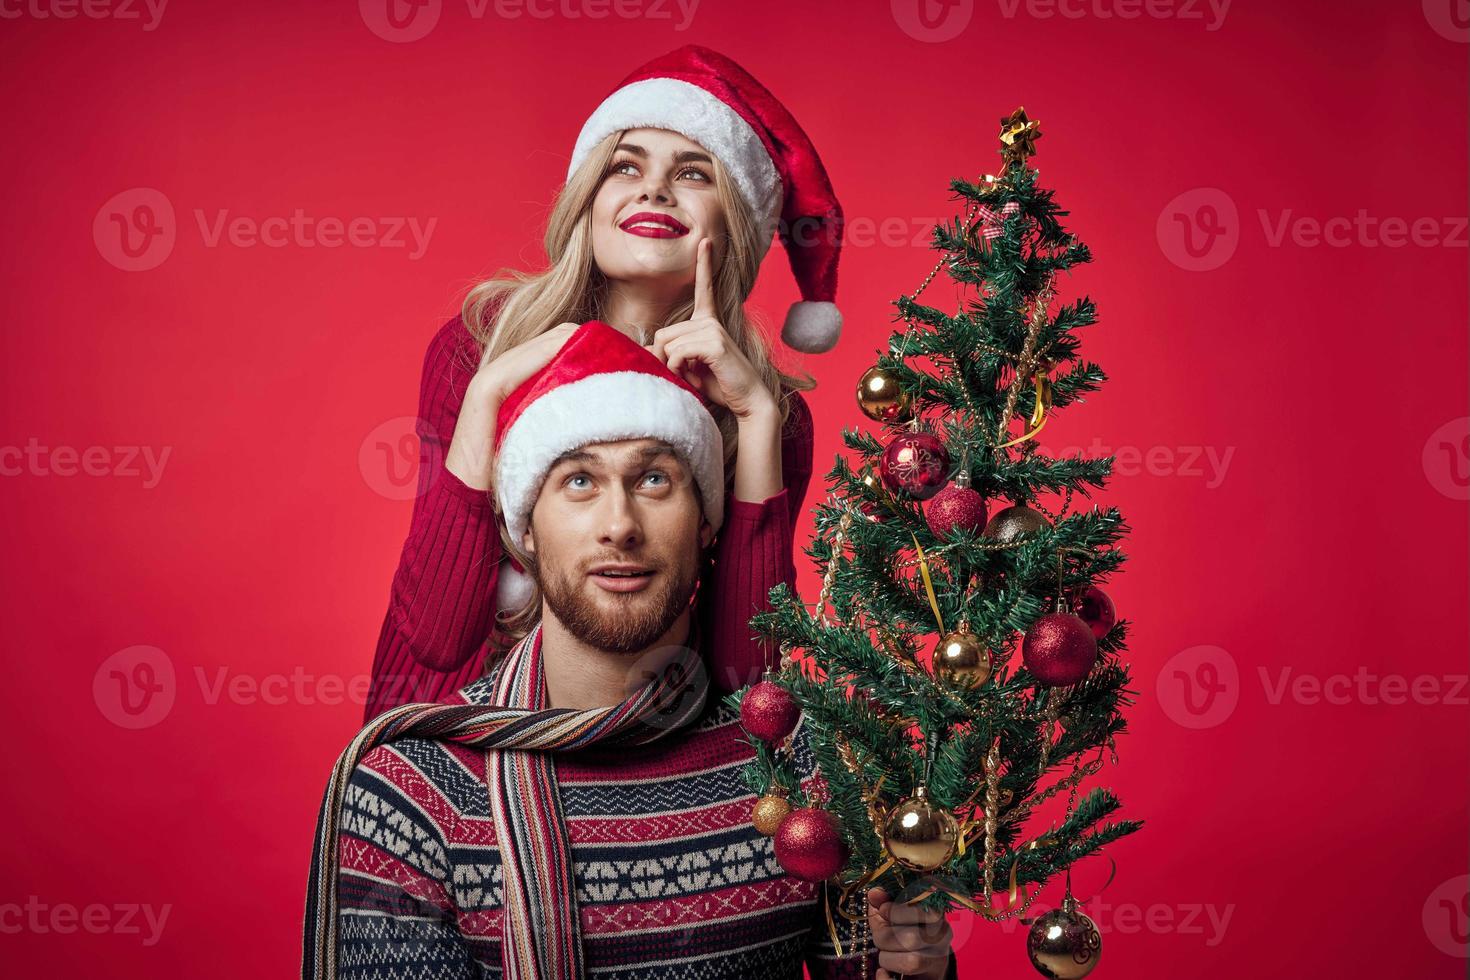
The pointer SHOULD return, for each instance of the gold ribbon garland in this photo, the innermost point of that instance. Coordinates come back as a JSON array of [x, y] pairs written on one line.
[[928, 582], [1039, 412]]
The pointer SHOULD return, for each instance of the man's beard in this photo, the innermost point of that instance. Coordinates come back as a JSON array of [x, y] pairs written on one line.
[[635, 619]]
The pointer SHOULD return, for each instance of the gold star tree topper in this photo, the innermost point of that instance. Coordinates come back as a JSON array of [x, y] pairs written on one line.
[[1019, 135]]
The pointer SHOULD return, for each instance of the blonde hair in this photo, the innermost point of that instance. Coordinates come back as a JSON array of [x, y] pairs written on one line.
[[512, 307]]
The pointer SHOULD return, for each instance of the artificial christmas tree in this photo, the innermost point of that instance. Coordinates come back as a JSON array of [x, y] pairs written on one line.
[[947, 683]]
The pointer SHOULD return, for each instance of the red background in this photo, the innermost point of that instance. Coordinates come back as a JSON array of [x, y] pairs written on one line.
[[1333, 543]]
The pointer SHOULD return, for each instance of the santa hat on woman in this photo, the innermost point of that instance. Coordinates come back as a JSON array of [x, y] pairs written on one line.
[[710, 99], [600, 387]]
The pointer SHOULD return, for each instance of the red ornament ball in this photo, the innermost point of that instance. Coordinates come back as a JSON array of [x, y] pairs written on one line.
[[1097, 611], [956, 507], [916, 463], [1059, 649], [769, 712], [809, 844]]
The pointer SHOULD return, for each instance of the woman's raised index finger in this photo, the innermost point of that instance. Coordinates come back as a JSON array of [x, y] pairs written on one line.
[[704, 296]]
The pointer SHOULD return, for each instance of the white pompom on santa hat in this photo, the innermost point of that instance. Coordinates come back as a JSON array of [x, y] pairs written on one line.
[[705, 96], [600, 387]]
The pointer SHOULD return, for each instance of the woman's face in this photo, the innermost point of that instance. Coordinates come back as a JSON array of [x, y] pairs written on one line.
[[670, 181]]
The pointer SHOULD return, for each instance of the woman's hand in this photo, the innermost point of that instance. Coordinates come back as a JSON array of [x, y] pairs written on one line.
[[514, 367], [912, 942], [702, 353], [471, 452]]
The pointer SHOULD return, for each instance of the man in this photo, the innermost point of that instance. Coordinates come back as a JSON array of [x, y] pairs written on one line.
[[581, 809]]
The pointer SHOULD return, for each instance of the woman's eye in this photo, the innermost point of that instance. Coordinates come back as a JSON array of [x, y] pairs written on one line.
[[630, 168]]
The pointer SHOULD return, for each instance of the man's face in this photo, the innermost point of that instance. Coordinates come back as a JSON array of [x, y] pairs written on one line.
[[615, 540]]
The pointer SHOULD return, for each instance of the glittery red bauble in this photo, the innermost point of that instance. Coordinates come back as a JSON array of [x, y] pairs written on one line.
[[1059, 649], [916, 463], [809, 844], [956, 506], [1096, 610], [769, 712]]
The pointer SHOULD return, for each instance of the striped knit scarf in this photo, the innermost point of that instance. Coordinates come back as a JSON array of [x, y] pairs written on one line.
[[542, 928]]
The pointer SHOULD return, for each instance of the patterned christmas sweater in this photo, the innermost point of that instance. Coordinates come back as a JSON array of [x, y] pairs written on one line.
[[674, 882]]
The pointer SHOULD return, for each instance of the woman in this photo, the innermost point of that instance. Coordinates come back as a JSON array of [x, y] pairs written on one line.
[[676, 186]]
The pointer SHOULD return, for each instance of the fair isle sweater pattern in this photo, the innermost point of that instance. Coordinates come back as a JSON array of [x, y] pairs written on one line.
[[672, 879]]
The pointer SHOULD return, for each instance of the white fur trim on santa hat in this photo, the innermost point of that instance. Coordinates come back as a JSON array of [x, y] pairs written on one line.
[[670, 103], [812, 327], [606, 408]]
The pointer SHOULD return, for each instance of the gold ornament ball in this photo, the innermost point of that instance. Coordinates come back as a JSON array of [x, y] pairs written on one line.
[[1064, 944], [1013, 522], [961, 657], [768, 813], [873, 482], [881, 399], [919, 835]]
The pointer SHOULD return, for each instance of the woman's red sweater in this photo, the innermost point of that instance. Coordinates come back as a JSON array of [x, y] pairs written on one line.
[[435, 636]]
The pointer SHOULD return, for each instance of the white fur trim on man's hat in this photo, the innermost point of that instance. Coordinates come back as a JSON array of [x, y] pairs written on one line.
[[606, 407]]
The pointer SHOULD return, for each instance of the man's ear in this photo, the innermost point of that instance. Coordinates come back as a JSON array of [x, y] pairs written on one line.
[[528, 541], [706, 533]]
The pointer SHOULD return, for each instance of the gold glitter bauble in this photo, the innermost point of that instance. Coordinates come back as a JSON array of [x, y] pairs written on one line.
[[768, 813], [1064, 944], [881, 399], [1013, 522], [961, 657], [919, 835]]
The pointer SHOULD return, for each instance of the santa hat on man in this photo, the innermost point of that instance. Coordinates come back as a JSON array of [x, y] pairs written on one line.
[[600, 387], [710, 99]]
